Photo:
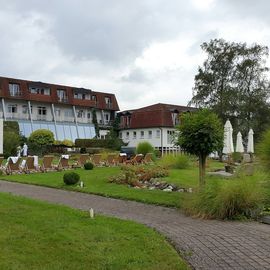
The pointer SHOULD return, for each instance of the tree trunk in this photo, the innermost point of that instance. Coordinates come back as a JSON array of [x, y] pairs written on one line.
[[202, 162]]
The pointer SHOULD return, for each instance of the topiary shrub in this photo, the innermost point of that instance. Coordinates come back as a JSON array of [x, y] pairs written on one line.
[[88, 166], [144, 148], [41, 137], [71, 178]]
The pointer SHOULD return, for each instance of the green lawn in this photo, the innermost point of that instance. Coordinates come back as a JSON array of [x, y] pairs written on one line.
[[37, 235], [96, 181]]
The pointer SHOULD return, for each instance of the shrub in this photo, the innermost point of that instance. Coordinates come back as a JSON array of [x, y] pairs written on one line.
[[71, 178], [264, 149], [68, 143], [144, 148], [10, 144], [227, 200], [88, 166], [115, 143], [175, 162], [41, 137]]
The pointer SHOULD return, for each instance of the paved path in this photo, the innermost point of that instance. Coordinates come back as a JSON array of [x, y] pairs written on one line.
[[205, 244]]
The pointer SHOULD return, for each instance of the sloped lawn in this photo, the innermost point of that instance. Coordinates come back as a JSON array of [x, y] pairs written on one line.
[[37, 235]]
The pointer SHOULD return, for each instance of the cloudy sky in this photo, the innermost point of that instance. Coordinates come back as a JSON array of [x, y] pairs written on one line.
[[144, 51]]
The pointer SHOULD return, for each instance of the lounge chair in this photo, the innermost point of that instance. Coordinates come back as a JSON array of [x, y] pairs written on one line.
[[81, 161], [122, 159], [63, 163], [148, 158], [47, 164], [96, 159], [135, 160], [13, 165], [111, 160], [30, 165]]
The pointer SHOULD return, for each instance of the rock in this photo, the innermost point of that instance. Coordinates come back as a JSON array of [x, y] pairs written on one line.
[[167, 190], [190, 190], [181, 190], [246, 158], [152, 188]]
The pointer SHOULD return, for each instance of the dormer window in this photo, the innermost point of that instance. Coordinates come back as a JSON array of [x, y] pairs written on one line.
[[14, 89], [108, 102], [40, 90], [78, 95], [62, 95]]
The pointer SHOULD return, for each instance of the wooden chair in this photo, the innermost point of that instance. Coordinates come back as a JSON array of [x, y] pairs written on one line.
[[29, 165], [111, 160], [47, 164], [148, 158], [63, 164], [136, 160], [81, 161], [96, 159], [13, 167], [122, 159]]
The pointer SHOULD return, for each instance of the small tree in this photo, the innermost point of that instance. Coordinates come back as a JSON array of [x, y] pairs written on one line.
[[95, 122], [41, 137], [201, 133]]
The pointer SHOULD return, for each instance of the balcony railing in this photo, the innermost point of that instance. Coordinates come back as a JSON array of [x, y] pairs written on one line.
[[63, 99]]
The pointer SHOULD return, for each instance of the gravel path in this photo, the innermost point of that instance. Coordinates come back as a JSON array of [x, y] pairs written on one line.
[[205, 244]]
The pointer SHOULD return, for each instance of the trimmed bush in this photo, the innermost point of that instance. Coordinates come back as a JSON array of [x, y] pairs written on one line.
[[41, 137], [144, 148], [88, 166], [71, 178]]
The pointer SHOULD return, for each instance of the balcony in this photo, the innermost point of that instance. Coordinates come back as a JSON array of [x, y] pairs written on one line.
[[62, 99]]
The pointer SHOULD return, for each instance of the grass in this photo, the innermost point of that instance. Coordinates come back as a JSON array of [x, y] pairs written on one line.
[[37, 235], [96, 182]]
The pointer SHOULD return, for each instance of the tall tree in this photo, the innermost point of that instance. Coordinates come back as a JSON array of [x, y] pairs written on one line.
[[233, 82]]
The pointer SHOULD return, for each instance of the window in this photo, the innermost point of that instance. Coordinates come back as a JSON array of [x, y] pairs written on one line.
[[57, 112], [157, 133], [40, 90], [14, 89], [12, 108], [62, 95], [120, 135], [42, 110], [149, 134], [78, 95], [134, 134], [25, 109], [89, 115], [108, 102], [68, 113], [107, 118], [80, 113], [142, 134], [170, 136], [94, 97], [127, 135]]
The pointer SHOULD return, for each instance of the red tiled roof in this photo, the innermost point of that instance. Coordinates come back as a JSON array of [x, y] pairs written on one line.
[[26, 95], [157, 115]]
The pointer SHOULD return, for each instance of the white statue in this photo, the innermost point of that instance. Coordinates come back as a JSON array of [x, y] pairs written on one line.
[[25, 150]]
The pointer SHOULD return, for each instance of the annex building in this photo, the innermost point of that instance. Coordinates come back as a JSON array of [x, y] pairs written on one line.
[[156, 124]]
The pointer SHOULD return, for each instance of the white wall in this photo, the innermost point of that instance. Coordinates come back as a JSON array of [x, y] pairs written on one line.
[[162, 140]]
